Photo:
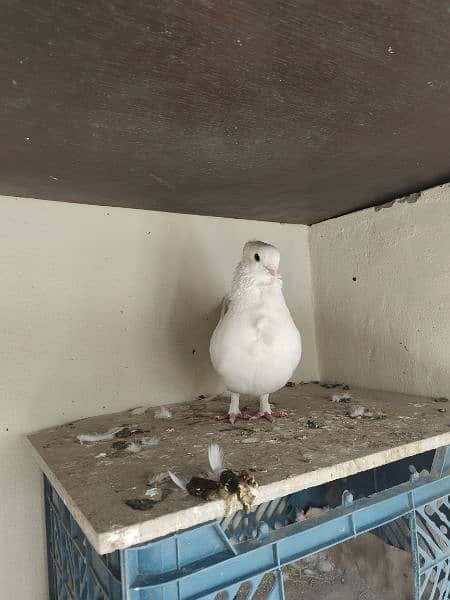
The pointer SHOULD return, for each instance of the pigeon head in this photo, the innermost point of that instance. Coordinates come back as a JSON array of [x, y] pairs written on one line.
[[261, 258]]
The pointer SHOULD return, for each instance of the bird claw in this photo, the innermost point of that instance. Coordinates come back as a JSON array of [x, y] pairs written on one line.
[[270, 416], [231, 417]]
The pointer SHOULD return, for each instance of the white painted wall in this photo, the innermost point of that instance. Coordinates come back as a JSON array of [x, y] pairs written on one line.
[[389, 329], [101, 309]]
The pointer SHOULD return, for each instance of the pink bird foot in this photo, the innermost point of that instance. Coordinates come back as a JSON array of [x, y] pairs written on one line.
[[269, 415], [231, 417]]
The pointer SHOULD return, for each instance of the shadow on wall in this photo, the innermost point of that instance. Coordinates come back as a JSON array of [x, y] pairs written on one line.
[[192, 298]]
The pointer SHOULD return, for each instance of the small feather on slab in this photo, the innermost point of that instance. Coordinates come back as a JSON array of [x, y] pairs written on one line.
[[99, 437], [163, 413]]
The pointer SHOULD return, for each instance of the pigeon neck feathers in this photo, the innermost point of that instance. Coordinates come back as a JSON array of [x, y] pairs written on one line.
[[246, 280]]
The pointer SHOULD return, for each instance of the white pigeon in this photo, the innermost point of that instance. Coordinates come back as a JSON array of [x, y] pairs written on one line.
[[256, 346]]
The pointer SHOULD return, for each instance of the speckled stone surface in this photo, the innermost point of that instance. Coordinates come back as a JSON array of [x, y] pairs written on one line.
[[317, 442]]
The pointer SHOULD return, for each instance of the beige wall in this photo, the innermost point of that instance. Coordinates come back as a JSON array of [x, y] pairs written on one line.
[[101, 309], [389, 329]]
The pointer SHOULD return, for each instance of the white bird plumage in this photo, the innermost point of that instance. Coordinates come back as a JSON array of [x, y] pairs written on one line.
[[256, 346]]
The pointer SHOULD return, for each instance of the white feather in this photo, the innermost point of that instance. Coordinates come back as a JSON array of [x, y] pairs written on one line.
[[163, 413], [133, 447], [177, 481], [215, 457], [140, 410], [98, 437], [155, 479]]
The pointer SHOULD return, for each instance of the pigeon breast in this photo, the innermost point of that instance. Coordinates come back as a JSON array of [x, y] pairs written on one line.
[[256, 345]]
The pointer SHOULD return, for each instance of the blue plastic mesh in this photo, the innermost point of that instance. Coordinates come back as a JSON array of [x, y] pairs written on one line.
[[241, 557], [432, 524], [75, 570], [240, 527]]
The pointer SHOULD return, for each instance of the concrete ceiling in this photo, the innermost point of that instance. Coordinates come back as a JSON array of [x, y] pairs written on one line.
[[293, 111]]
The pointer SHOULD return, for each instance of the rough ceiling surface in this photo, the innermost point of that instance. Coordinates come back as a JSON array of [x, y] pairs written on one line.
[[295, 110]]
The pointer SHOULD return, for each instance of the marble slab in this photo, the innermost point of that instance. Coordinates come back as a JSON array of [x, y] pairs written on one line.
[[317, 442]]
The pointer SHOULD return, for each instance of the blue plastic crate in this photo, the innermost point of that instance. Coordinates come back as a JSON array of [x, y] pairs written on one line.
[[234, 557]]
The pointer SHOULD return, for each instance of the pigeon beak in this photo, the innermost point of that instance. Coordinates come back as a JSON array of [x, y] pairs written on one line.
[[272, 270]]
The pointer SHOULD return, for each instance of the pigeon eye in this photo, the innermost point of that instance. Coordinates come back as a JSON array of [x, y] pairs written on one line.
[[257, 258]]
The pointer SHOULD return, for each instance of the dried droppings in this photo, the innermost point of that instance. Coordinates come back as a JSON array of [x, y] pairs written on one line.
[[100, 455], [312, 424], [202, 397], [140, 503], [441, 399], [123, 433], [330, 386], [120, 445], [341, 398], [442, 410], [290, 384], [345, 387]]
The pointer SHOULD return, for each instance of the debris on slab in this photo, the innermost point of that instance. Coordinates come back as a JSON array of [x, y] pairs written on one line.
[[178, 482], [100, 455], [150, 441], [441, 399], [98, 437], [360, 411], [140, 503], [290, 384], [442, 410], [341, 397], [119, 445], [155, 494], [163, 413], [311, 424], [133, 447], [128, 432], [222, 484], [139, 410], [157, 478]]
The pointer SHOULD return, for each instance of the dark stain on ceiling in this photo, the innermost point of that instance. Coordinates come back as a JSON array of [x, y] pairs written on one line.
[[293, 111]]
